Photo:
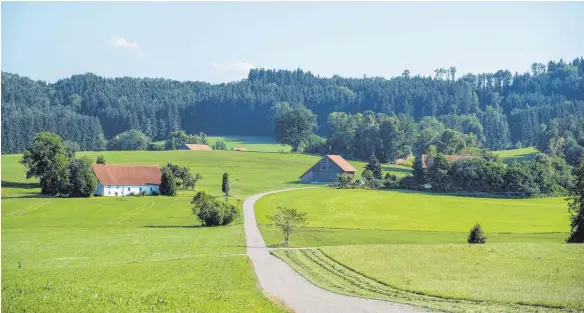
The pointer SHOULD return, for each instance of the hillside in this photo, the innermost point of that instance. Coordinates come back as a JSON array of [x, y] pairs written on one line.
[[88, 108]]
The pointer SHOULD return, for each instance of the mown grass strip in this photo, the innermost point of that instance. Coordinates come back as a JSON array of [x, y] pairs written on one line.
[[325, 272]]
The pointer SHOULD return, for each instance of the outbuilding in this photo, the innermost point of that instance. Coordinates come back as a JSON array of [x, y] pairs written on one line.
[[327, 169], [124, 180], [195, 147]]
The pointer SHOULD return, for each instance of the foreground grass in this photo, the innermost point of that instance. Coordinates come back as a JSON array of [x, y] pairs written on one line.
[[325, 272], [122, 255], [536, 274], [368, 217]]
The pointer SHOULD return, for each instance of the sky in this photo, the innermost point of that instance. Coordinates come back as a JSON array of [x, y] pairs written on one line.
[[221, 41]]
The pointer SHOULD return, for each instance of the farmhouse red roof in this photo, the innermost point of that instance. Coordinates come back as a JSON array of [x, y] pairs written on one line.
[[113, 174], [197, 147], [342, 163]]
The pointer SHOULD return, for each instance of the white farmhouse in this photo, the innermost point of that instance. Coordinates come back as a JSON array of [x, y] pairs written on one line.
[[123, 180]]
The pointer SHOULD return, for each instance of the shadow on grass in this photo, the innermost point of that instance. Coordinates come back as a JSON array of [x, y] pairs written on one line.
[[30, 196], [173, 226], [12, 184]]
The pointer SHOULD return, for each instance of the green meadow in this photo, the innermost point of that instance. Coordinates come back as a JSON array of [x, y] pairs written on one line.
[[136, 254], [250, 143], [370, 217], [520, 154], [410, 247], [142, 254]]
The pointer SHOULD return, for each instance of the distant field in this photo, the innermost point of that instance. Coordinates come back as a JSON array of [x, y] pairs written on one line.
[[517, 154], [251, 143], [368, 217]]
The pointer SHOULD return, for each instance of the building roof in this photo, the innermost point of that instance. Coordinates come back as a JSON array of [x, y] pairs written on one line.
[[197, 147], [339, 161], [115, 174], [342, 163], [451, 158]]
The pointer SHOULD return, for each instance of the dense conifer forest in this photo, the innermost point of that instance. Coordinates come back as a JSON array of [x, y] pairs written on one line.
[[501, 109]]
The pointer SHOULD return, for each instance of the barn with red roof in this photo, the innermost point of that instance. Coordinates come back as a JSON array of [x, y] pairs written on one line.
[[327, 169]]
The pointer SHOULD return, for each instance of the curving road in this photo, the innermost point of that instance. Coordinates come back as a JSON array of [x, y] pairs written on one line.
[[283, 283]]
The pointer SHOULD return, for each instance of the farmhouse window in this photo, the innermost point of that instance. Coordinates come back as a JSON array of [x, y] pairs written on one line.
[[128, 188], [140, 188]]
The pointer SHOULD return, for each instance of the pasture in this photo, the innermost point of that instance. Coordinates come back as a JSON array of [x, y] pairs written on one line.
[[410, 247], [369, 217], [250, 143], [520, 154], [136, 254]]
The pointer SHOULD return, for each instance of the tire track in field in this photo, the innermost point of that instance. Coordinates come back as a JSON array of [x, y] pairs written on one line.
[[27, 209], [128, 215]]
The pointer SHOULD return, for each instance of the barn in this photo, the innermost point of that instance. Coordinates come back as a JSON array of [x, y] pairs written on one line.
[[327, 169], [123, 180], [195, 147]]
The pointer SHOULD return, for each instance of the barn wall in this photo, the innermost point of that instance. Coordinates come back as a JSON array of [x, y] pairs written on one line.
[[324, 171]]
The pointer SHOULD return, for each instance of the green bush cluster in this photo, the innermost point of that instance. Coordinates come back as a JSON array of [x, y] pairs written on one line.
[[212, 212]]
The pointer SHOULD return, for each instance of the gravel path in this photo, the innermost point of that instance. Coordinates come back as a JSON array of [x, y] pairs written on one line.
[[283, 283]]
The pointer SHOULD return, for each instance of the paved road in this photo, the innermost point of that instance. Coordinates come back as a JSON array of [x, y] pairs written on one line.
[[283, 283]]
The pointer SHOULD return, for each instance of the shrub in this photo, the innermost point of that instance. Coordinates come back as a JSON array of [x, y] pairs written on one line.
[[212, 212], [155, 193], [344, 181], [476, 235], [142, 193], [408, 182], [220, 145]]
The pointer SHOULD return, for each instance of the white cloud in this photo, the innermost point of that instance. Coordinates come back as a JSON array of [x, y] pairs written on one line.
[[236, 70], [121, 42]]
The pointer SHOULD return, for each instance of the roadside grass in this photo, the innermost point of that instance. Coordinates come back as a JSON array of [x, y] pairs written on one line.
[[536, 274], [367, 217], [327, 273], [521, 154]]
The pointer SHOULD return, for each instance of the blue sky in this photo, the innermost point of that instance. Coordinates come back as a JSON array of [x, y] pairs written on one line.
[[219, 42]]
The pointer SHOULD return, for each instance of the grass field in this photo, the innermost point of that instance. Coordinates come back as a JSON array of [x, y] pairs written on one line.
[[410, 247], [250, 143], [517, 154], [139, 254], [136, 254], [369, 217], [536, 274]]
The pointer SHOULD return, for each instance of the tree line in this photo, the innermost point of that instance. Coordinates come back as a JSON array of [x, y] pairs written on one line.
[[511, 106]]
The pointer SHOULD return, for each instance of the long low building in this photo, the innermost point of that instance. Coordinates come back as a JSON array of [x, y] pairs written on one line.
[[124, 180]]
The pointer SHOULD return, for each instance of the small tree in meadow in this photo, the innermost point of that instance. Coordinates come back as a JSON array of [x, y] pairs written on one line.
[[220, 145], [100, 160], [476, 235], [225, 186], [288, 219], [212, 212], [375, 167]]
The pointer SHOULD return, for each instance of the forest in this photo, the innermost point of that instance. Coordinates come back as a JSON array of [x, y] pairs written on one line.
[[492, 110]]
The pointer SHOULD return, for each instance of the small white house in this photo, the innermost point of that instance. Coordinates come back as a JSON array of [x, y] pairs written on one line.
[[124, 180]]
